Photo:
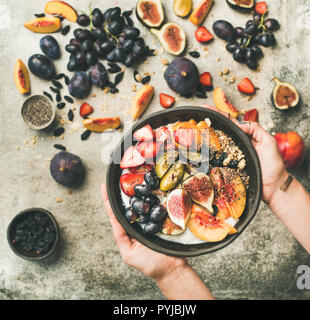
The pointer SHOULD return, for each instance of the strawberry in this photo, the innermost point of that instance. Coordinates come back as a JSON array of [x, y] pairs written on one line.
[[128, 182], [206, 79], [86, 109], [166, 101], [162, 134], [132, 158], [184, 137], [144, 134], [261, 7], [246, 86], [148, 149], [251, 116], [202, 34], [141, 169]]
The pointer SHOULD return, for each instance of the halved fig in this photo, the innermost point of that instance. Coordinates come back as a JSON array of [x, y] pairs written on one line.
[[150, 13], [241, 5], [171, 228], [172, 37], [165, 162], [200, 189], [284, 95], [21, 77], [182, 8], [199, 14], [206, 227], [179, 207]]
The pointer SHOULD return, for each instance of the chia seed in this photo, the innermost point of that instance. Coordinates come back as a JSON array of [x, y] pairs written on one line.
[[37, 111]]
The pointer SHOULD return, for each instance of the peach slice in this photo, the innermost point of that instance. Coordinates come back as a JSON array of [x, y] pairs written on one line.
[[214, 141], [43, 25], [222, 103], [21, 77], [171, 228], [206, 227], [179, 207], [200, 13], [141, 101], [61, 8], [101, 124]]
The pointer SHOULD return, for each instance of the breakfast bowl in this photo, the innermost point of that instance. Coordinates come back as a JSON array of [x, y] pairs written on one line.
[[171, 244]]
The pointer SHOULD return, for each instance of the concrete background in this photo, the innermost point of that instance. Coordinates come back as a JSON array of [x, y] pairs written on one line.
[[260, 264]]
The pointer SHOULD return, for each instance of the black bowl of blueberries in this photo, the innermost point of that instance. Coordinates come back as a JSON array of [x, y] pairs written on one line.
[[33, 234]]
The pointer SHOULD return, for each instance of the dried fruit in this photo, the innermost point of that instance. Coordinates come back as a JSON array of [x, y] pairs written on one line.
[[141, 101], [166, 101], [172, 37], [284, 95], [182, 8], [246, 86], [203, 35], [21, 77], [150, 13], [199, 14]]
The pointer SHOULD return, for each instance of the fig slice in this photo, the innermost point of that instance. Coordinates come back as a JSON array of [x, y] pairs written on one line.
[[179, 207], [172, 37], [284, 95], [170, 228], [150, 13], [241, 5], [200, 190], [206, 227]]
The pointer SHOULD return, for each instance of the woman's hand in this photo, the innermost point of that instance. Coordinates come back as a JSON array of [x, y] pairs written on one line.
[[149, 262], [273, 169]]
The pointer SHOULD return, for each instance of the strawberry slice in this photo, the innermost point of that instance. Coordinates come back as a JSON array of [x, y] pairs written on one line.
[[246, 86], [261, 7], [86, 109], [162, 134], [206, 79], [251, 116], [203, 35], [144, 134], [132, 158], [141, 169], [166, 101], [185, 137], [128, 182], [148, 149]]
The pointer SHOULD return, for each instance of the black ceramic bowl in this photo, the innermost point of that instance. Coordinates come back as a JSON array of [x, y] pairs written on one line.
[[219, 122], [20, 218]]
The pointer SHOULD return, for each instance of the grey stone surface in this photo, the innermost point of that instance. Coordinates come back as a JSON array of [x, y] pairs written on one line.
[[260, 264]]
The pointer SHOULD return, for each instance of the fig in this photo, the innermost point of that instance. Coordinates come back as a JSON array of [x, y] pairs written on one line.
[[179, 207], [241, 5], [206, 227], [42, 67], [50, 47], [80, 85], [172, 37], [284, 95], [173, 176], [182, 8], [224, 30], [170, 228], [292, 149], [199, 14], [182, 76], [200, 190], [150, 13], [67, 169], [21, 77], [164, 163]]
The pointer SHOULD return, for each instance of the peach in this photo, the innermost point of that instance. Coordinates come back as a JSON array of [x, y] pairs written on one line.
[[101, 124], [61, 8], [222, 103], [141, 101], [43, 25], [21, 77], [200, 13]]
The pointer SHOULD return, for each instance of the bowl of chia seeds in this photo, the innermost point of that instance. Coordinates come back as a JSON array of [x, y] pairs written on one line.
[[33, 234], [38, 112]]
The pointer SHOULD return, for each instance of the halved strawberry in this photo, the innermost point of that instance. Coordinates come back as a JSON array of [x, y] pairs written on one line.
[[148, 149], [246, 86], [144, 134], [162, 134], [206, 79], [86, 109], [261, 7], [132, 158], [251, 115], [141, 169], [128, 182], [202, 34], [185, 137], [166, 101]]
